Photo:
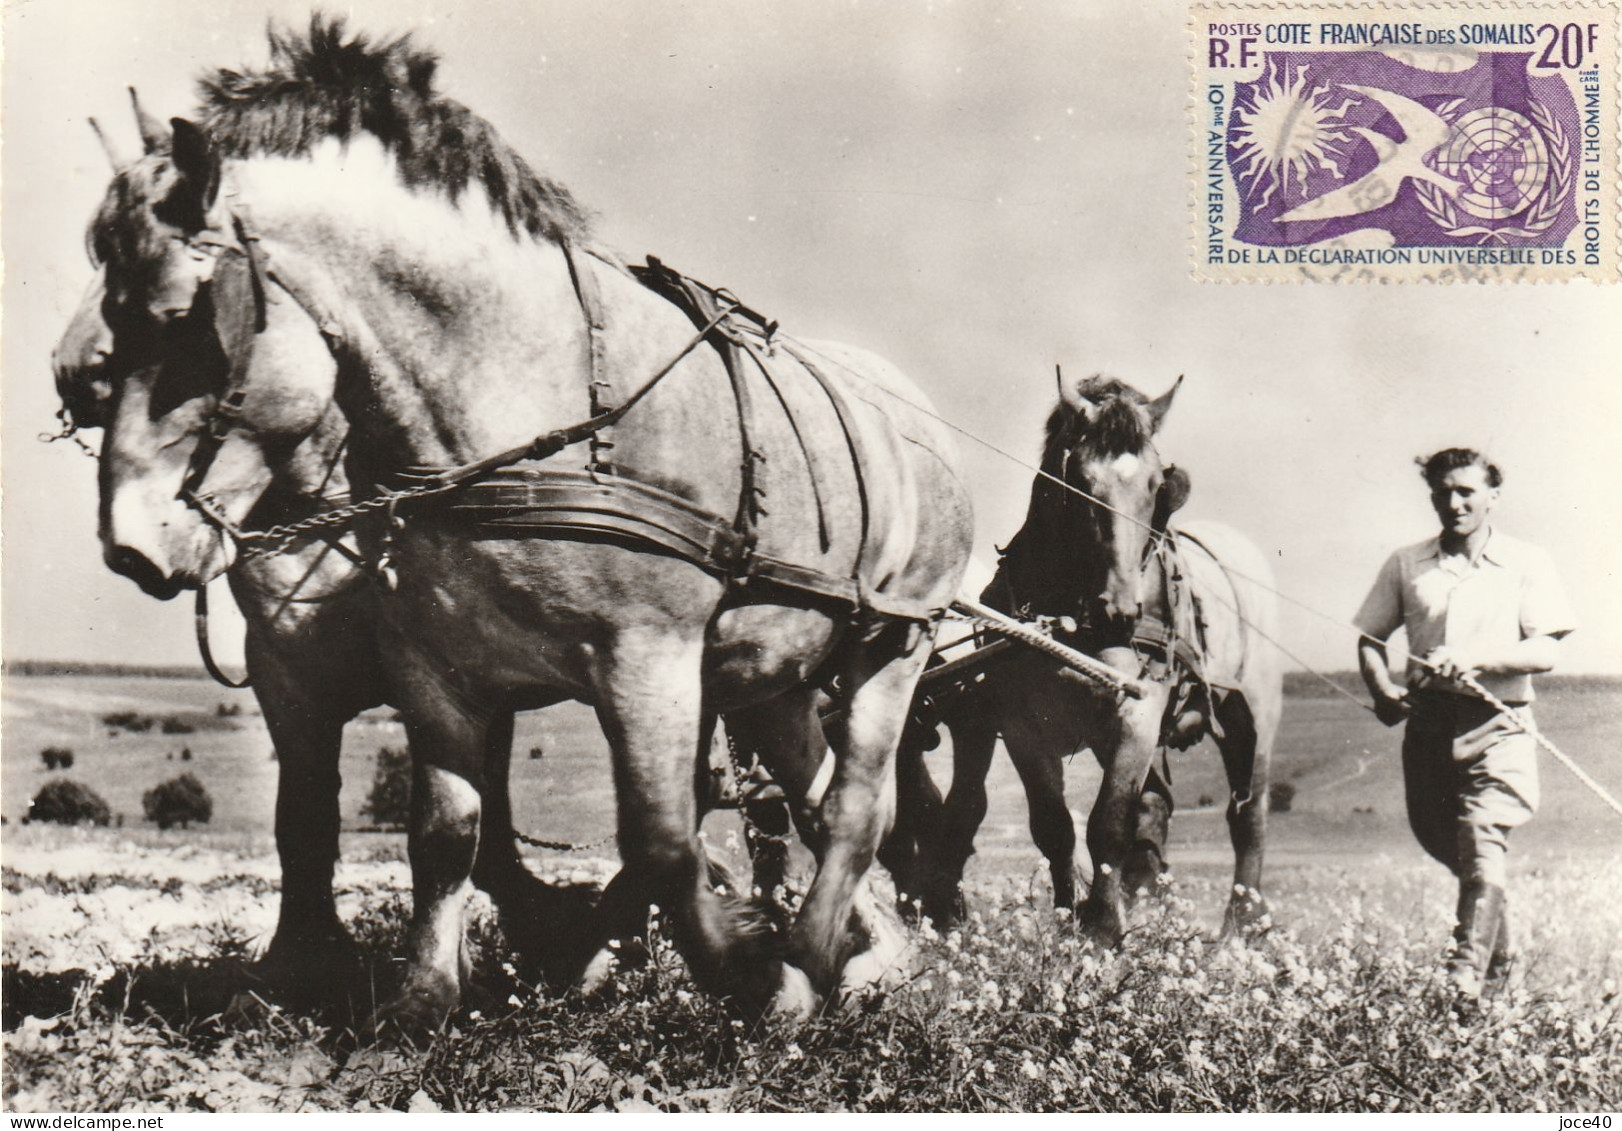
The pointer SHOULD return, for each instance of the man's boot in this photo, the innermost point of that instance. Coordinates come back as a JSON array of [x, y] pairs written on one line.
[[1503, 949], [1481, 908]]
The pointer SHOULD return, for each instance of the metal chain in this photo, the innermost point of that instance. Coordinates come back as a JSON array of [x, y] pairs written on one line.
[[277, 539], [560, 845], [68, 431]]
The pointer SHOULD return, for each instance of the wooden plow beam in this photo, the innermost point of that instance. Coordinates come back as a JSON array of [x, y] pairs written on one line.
[[1092, 669]]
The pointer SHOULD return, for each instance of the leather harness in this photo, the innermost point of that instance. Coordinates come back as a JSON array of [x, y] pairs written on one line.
[[603, 500]]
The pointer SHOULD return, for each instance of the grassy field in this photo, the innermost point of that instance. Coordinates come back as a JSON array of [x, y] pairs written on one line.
[[123, 946]]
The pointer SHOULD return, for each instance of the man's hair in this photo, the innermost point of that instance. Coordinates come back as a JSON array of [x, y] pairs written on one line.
[[1435, 467]]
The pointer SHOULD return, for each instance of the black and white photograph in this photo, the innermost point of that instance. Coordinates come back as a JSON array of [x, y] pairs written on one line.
[[810, 556]]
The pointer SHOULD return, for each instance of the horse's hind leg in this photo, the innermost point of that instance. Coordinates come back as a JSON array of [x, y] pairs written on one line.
[[530, 910], [1147, 859], [917, 818], [974, 741], [855, 813], [1246, 746], [786, 733]]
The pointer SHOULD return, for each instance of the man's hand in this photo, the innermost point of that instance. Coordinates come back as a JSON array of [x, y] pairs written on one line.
[[1452, 663], [1392, 706]]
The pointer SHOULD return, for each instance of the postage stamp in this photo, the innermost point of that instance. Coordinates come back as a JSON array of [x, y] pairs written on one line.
[[1395, 142]]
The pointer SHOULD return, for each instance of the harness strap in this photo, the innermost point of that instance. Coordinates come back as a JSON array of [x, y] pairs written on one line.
[[700, 304], [550, 443], [754, 352], [200, 624], [842, 414], [589, 293]]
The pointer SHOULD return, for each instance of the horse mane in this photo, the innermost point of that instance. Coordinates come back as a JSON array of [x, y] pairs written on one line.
[[1119, 426], [324, 83]]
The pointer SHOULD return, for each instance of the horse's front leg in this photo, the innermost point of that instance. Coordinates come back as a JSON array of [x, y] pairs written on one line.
[[856, 814], [310, 950], [1246, 745], [1127, 749], [305, 709], [649, 702]]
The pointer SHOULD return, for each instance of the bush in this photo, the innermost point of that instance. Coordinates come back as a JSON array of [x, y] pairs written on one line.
[[174, 725], [129, 720], [67, 802], [389, 803], [178, 801], [1281, 796], [57, 757]]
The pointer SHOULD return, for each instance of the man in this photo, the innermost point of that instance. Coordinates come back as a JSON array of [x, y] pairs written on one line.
[[1478, 604]]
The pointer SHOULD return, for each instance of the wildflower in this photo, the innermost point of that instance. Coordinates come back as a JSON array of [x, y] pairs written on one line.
[[793, 1052], [512, 1000], [1030, 1069], [475, 1015]]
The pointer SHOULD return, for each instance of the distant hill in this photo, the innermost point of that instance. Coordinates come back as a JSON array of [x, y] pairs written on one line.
[[1297, 685], [96, 668]]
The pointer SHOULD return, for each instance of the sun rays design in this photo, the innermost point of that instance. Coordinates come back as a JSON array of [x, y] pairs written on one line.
[[1290, 130]]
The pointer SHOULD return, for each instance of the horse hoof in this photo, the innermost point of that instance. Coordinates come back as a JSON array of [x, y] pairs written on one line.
[[633, 954], [308, 965], [879, 963], [414, 1014], [795, 999], [1248, 914]]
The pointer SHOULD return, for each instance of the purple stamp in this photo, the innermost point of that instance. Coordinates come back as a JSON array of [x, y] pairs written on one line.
[[1394, 143]]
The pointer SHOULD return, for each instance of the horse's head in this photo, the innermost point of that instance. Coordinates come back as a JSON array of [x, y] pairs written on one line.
[[161, 228], [81, 361], [1100, 440], [202, 413]]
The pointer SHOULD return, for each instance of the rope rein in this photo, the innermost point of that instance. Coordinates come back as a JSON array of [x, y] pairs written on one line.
[[1523, 721]]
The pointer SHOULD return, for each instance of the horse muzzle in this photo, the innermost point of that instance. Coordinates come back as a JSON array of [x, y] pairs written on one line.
[[169, 557]]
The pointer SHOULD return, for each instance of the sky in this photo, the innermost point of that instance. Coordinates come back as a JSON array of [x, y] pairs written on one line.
[[977, 191]]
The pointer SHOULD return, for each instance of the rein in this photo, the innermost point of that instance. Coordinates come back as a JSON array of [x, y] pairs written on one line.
[[200, 624]]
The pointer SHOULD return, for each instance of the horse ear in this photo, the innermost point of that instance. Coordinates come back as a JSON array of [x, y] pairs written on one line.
[[153, 135], [114, 157], [1162, 404], [197, 162], [1173, 493], [1070, 394]]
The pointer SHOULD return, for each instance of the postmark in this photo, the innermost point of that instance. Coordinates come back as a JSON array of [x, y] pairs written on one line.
[[1397, 142]]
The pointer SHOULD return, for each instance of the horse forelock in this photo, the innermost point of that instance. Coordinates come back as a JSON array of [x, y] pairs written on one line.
[[1120, 424], [325, 83]]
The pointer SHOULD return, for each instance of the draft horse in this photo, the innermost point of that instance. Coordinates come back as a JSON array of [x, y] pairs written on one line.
[[571, 496], [1187, 609], [310, 612]]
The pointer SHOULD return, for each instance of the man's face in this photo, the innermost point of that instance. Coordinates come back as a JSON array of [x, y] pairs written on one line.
[[1463, 500]]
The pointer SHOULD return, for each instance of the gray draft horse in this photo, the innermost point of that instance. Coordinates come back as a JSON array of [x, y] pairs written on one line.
[[310, 650], [472, 327], [1190, 608]]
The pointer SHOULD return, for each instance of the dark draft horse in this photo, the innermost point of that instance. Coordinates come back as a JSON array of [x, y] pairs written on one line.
[[1188, 608], [468, 314]]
